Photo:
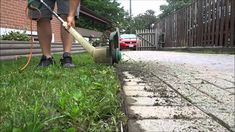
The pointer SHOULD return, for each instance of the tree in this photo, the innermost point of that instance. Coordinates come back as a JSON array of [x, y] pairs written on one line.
[[173, 5], [141, 21], [108, 9], [111, 10]]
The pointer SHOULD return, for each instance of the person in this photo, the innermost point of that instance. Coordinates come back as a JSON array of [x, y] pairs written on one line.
[[67, 10]]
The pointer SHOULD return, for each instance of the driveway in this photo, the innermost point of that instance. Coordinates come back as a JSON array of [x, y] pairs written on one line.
[[173, 91]]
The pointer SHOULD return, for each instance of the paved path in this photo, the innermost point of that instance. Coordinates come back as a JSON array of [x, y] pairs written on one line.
[[172, 91]]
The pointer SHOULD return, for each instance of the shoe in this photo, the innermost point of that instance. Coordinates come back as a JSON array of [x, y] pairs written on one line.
[[66, 61], [45, 62]]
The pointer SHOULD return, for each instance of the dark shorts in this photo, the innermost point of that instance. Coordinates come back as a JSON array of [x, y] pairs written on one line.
[[62, 9]]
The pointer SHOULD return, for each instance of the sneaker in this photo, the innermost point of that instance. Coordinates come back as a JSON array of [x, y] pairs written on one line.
[[66, 61], [45, 62]]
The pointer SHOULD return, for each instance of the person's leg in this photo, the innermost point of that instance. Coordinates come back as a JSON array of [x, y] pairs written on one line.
[[44, 31], [67, 38], [45, 36], [63, 10]]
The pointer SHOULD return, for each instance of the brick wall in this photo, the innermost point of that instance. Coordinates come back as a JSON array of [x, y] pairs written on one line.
[[13, 16]]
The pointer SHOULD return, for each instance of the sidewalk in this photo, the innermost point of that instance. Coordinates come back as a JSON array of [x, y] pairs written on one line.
[[169, 95]]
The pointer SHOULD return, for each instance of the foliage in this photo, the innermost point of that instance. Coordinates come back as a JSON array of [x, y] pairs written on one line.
[[17, 36], [87, 23], [142, 21], [173, 5], [102, 41], [106, 8], [120, 18], [57, 99]]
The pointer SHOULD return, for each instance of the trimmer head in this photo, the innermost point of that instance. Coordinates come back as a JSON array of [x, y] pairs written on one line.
[[111, 54], [114, 46]]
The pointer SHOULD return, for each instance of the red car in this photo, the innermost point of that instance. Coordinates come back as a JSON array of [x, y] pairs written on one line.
[[128, 41]]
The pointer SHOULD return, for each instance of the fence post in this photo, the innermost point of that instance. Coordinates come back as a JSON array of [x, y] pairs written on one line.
[[156, 38], [232, 32], [213, 23], [226, 23]]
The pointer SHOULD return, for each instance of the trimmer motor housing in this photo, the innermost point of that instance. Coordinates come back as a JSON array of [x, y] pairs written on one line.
[[114, 47]]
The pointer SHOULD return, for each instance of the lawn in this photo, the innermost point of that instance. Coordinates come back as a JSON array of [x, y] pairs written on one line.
[[56, 99]]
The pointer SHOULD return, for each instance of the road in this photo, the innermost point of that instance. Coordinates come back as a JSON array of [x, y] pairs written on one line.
[[173, 91]]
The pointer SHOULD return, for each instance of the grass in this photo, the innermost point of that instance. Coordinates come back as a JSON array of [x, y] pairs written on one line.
[[56, 99]]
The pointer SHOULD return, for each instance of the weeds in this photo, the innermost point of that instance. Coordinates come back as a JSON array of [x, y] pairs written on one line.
[[57, 99]]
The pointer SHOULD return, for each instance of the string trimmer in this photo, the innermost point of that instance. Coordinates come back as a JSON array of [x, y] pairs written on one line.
[[107, 55]]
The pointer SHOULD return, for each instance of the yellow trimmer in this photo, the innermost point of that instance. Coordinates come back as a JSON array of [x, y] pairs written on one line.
[[106, 55]]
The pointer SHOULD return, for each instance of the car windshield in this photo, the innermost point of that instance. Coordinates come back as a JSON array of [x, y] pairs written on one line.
[[128, 36]]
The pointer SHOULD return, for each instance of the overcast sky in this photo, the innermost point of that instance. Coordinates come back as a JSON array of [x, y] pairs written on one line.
[[140, 6]]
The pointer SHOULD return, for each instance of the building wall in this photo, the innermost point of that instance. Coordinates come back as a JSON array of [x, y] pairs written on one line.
[[13, 17]]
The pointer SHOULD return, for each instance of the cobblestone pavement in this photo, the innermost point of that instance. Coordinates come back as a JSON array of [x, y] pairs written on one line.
[[170, 91]]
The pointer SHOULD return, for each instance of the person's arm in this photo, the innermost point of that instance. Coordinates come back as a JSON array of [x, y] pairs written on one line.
[[73, 5]]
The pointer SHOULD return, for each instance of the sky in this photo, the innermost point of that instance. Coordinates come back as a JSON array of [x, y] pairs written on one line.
[[140, 6]]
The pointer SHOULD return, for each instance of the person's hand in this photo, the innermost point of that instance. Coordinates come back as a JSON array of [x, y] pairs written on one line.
[[70, 21]]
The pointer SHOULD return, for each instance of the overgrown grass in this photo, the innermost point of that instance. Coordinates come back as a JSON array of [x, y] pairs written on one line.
[[57, 99]]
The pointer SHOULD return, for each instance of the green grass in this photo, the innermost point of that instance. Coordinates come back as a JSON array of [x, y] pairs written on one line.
[[55, 99]]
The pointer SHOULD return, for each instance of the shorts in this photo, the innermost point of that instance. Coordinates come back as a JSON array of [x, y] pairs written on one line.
[[62, 9]]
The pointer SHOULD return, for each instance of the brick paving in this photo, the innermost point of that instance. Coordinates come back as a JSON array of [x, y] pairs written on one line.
[[168, 95]]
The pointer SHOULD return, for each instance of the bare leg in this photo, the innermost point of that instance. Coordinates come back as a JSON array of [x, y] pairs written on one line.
[[44, 34], [66, 37]]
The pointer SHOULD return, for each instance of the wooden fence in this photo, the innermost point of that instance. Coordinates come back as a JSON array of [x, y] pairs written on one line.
[[205, 23], [15, 49], [147, 39]]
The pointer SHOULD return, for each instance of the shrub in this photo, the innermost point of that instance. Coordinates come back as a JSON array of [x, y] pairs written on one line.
[[17, 36]]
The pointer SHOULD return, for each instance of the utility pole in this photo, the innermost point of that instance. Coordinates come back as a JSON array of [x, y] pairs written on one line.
[[130, 9], [130, 14]]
